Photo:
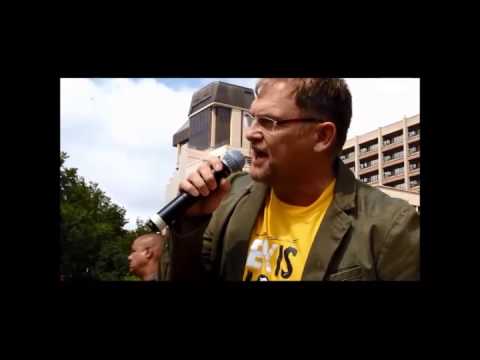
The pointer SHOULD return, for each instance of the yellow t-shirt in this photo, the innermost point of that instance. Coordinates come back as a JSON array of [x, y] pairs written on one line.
[[282, 238]]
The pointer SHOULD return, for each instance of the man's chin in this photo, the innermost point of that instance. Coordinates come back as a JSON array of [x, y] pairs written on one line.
[[258, 175]]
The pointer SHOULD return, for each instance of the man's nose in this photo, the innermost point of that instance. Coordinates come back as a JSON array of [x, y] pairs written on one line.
[[252, 134]]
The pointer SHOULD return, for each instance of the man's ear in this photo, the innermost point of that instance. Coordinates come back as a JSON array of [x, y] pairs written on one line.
[[148, 253], [325, 135]]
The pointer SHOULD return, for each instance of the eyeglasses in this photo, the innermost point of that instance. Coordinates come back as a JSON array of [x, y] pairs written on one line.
[[270, 124]]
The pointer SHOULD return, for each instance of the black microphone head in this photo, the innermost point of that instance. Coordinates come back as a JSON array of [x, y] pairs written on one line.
[[234, 160]]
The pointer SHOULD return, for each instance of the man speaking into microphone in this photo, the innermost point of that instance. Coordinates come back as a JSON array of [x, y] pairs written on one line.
[[299, 214]]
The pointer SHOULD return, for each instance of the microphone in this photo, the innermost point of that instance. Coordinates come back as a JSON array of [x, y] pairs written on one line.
[[232, 161]]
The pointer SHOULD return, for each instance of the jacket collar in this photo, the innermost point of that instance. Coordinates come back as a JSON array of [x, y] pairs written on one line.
[[335, 224], [345, 187]]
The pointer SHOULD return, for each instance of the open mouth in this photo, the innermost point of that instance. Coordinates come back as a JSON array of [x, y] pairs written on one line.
[[258, 155]]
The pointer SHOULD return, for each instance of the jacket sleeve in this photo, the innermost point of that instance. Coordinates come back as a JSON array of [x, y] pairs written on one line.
[[189, 252], [400, 257], [181, 257]]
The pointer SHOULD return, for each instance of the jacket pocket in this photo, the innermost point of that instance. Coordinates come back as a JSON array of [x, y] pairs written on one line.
[[351, 273]]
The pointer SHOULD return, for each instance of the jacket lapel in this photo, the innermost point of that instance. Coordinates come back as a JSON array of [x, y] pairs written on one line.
[[237, 233], [334, 226]]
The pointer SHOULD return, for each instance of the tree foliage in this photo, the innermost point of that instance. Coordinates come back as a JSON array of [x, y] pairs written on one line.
[[94, 243]]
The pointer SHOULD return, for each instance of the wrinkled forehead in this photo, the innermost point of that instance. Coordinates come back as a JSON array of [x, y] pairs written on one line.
[[280, 87], [275, 97]]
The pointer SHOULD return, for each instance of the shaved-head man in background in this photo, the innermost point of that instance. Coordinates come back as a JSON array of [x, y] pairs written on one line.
[[144, 256]]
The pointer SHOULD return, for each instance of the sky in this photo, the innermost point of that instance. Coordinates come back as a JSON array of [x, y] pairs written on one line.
[[118, 132]]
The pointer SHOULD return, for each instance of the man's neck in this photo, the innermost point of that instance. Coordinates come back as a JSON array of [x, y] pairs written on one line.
[[303, 193], [151, 277], [150, 273]]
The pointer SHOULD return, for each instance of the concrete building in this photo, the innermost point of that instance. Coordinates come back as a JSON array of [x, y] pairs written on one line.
[[388, 158], [214, 126]]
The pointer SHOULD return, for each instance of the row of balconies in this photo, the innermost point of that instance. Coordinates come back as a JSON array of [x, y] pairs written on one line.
[[395, 140], [368, 164], [395, 172], [414, 184], [387, 142], [413, 167], [386, 158]]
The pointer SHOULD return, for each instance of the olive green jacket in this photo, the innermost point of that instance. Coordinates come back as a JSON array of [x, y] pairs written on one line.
[[365, 235]]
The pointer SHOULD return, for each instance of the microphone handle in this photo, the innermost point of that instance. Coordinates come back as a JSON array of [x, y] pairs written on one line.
[[183, 201]]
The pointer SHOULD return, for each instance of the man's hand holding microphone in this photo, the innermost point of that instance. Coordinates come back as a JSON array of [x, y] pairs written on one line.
[[203, 185], [202, 191]]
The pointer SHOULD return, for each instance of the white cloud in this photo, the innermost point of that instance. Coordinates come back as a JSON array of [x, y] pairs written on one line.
[[380, 102], [118, 133]]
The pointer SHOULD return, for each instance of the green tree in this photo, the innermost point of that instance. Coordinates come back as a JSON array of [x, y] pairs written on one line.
[[94, 243]]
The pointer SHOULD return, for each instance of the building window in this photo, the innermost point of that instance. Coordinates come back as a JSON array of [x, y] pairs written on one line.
[[347, 156], [200, 130], [222, 126], [413, 149], [393, 138], [368, 147], [400, 186], [414, 165], [367, 164], [414, 131], [397, 155], [398, 171]]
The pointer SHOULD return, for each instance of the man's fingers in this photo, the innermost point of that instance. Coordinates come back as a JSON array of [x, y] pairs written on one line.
[[207, 174], [215, 163], [196, 179], [187, 187], [202, 181]]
